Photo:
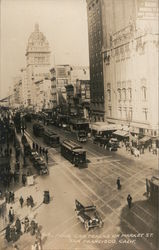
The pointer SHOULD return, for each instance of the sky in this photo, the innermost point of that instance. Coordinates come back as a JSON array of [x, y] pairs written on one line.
[[63, 22]]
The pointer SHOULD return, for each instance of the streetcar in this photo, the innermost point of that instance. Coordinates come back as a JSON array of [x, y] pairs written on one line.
[[78, 124], [51, 138], [74, 153], [38, 129]]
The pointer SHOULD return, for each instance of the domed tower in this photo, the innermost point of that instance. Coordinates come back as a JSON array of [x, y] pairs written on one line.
[[37, 60]]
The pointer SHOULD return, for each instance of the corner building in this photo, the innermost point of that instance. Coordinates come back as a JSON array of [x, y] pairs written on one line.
[[130, 63]]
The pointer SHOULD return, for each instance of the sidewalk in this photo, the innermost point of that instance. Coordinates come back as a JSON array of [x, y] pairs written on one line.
[[25, 211]]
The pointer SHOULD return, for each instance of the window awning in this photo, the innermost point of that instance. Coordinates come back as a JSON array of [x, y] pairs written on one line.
[[144, 139], [121, 133]]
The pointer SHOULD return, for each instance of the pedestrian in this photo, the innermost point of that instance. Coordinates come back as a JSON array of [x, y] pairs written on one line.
[[118, 183], [18, 226], [28, 201], [11, 215], [37, 147], [23, 179], [129, 200], [26, 224], [21, 200], [147, 187], [7, 233], [31, 201], [32, 227]]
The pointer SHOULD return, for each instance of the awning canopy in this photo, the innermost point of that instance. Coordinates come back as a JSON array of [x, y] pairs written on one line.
[[144, 139], [121, 133], [102, 126]]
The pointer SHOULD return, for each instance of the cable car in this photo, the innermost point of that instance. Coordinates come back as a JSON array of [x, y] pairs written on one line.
[[74, 153]]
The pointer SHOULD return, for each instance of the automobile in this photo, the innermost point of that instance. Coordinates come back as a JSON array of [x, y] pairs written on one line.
[[88, 215], [113, 144], [41, 166]]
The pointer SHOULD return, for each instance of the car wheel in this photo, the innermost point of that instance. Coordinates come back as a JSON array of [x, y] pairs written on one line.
[[86, 225]]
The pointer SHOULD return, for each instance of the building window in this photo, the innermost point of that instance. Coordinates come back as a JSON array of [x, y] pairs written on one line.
[[108, 85], [144, 93], [125, 113], [119, 112], [124, 94], [130, 114], [145, 112], [130, 94], [109, 95], [119, 95], [110, 111]]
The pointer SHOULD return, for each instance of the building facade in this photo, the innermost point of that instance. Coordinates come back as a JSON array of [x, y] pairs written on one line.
[[61, 76], [43, 99], [130, 63], [95, 37], [130, 60], [37, 62]]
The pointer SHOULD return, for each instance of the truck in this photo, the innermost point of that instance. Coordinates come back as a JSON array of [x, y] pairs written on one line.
[[88, 215]]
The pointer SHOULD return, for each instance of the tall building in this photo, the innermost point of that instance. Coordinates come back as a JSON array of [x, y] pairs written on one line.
[[37, 62], [130, 62], [95, 37]]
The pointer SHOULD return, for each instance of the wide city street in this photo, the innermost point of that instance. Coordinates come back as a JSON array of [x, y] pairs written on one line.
[[124, 228]]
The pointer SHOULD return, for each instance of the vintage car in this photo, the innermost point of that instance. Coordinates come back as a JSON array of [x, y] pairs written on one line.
[[113, 144], [88, 215], [41, 166]]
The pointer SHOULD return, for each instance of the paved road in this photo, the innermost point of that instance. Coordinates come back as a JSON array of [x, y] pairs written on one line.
[[123, 228], [97, 183]]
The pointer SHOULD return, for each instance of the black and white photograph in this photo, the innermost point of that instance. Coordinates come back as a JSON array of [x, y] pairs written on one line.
[[79, 125]]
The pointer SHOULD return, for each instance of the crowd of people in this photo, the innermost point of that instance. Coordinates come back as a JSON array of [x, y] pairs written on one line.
[[19, 227]]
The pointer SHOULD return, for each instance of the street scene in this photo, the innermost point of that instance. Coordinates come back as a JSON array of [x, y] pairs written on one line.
[[79, 137]]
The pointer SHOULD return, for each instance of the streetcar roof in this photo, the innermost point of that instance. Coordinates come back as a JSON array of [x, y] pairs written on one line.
[[71, 144]]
